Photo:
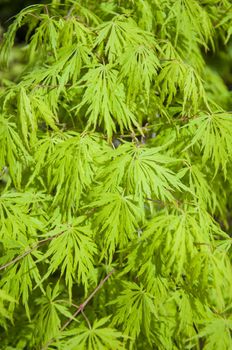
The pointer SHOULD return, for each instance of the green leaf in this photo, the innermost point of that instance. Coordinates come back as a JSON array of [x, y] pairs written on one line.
[[211, 133], [142, 171], [48, 319], [104, 100], [13, 153], [217, 334], [117, 220], [134, 309], [70, 170], [97, 337], [72, 252]]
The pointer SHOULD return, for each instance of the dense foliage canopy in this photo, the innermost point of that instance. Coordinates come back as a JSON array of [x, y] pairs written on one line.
[[116, 177]]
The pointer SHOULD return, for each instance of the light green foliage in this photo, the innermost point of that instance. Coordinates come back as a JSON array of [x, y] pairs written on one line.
[[215, 327], [213, 132], [4, 299], [72, 251], [95, 337], [117, 219], [138, 303], [104, 98], [115, 177], [50, 308], [78, 154]]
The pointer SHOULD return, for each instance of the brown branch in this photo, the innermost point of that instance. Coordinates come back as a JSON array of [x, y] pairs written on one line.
[[27, 252], [83, 305], [80, 308]]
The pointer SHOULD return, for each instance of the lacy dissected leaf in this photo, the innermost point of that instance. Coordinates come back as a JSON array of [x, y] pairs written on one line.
[[145, 14], [201, 186], [105, 100], [77, 57], [21, 278], [212, 268], [117, 220], [20, 20], [212, 133], [4, 300], [85, 13], [13, 153], [27, 117], [147, 197], [177, 77], [134, 310], [188, 309], [194, 231], [51, 310], [45, 147], [46, 35], [19, 215], [56, 77], [98, 337], [139, 65], [141, 171], [75, 32], [226, 23], [33, 111], [44, 113], [72, 252], [217, 334], [154, 283], [119, 33], [191, 20], [21, 222], [71, 168]]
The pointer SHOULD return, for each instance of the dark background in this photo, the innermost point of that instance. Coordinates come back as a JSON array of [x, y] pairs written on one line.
[[10, 8]]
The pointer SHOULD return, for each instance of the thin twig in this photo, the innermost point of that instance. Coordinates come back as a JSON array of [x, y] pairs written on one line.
[[33, 15], [80, 308], [83, 305], [76, 307], [27, 252], [155, 201], [69, 12], [46, 10], [86, 318]]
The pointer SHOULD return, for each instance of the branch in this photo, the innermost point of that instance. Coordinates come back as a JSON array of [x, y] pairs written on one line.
[[80, 308], [69, 12], [46, 10], [158, 201], [83, 305], [27, 252], [50, 86]]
